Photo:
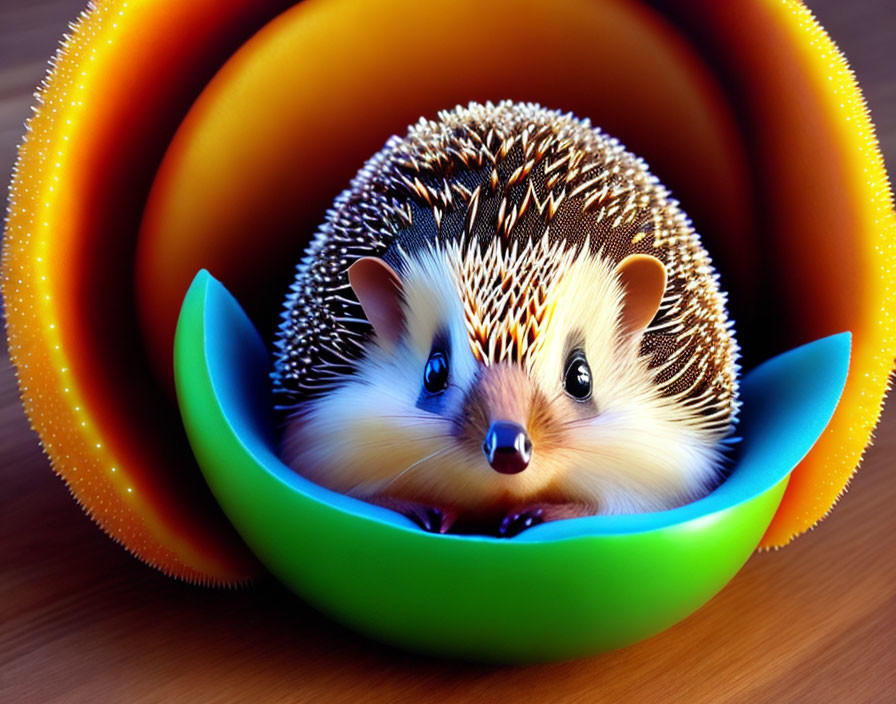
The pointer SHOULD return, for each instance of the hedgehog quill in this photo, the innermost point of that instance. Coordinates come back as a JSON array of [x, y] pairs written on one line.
[[505, 320]]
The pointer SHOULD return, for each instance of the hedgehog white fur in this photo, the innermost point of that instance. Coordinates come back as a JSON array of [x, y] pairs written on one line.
[[509, 258]]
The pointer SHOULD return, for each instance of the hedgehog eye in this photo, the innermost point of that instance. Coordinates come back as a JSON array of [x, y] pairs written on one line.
[[577, 377], [435, 374]]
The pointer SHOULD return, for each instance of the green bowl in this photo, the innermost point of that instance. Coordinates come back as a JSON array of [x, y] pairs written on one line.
[[556, 591]]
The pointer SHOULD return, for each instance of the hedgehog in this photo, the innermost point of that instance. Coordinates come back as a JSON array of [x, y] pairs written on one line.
[[505, 320]]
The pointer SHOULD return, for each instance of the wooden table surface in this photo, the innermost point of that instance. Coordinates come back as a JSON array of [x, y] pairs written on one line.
[[80, 620]]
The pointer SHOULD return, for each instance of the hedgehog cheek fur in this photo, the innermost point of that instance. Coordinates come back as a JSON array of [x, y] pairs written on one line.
[[371, 438], [638, 449], [358, 437], [628, 449]]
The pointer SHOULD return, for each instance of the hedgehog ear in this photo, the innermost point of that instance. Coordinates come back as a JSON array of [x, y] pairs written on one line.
[[643, 280], [379, 291]]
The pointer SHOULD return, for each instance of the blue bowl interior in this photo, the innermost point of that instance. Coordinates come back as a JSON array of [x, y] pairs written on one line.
[[787, 403]]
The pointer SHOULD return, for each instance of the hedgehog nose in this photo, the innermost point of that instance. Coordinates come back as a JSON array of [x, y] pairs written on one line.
[[507, 447]]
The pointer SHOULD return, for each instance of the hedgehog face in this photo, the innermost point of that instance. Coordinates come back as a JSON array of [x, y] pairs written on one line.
[[492, 383]]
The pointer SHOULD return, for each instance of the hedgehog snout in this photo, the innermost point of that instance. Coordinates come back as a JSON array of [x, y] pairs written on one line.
[[507, 447]]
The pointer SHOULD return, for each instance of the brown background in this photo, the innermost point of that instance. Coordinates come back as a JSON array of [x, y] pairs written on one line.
[[80, 620]]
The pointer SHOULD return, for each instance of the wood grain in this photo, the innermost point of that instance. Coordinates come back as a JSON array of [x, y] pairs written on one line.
[[80, 620]]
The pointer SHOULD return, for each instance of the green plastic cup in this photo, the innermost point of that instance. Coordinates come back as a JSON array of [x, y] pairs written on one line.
[[559, 590]]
